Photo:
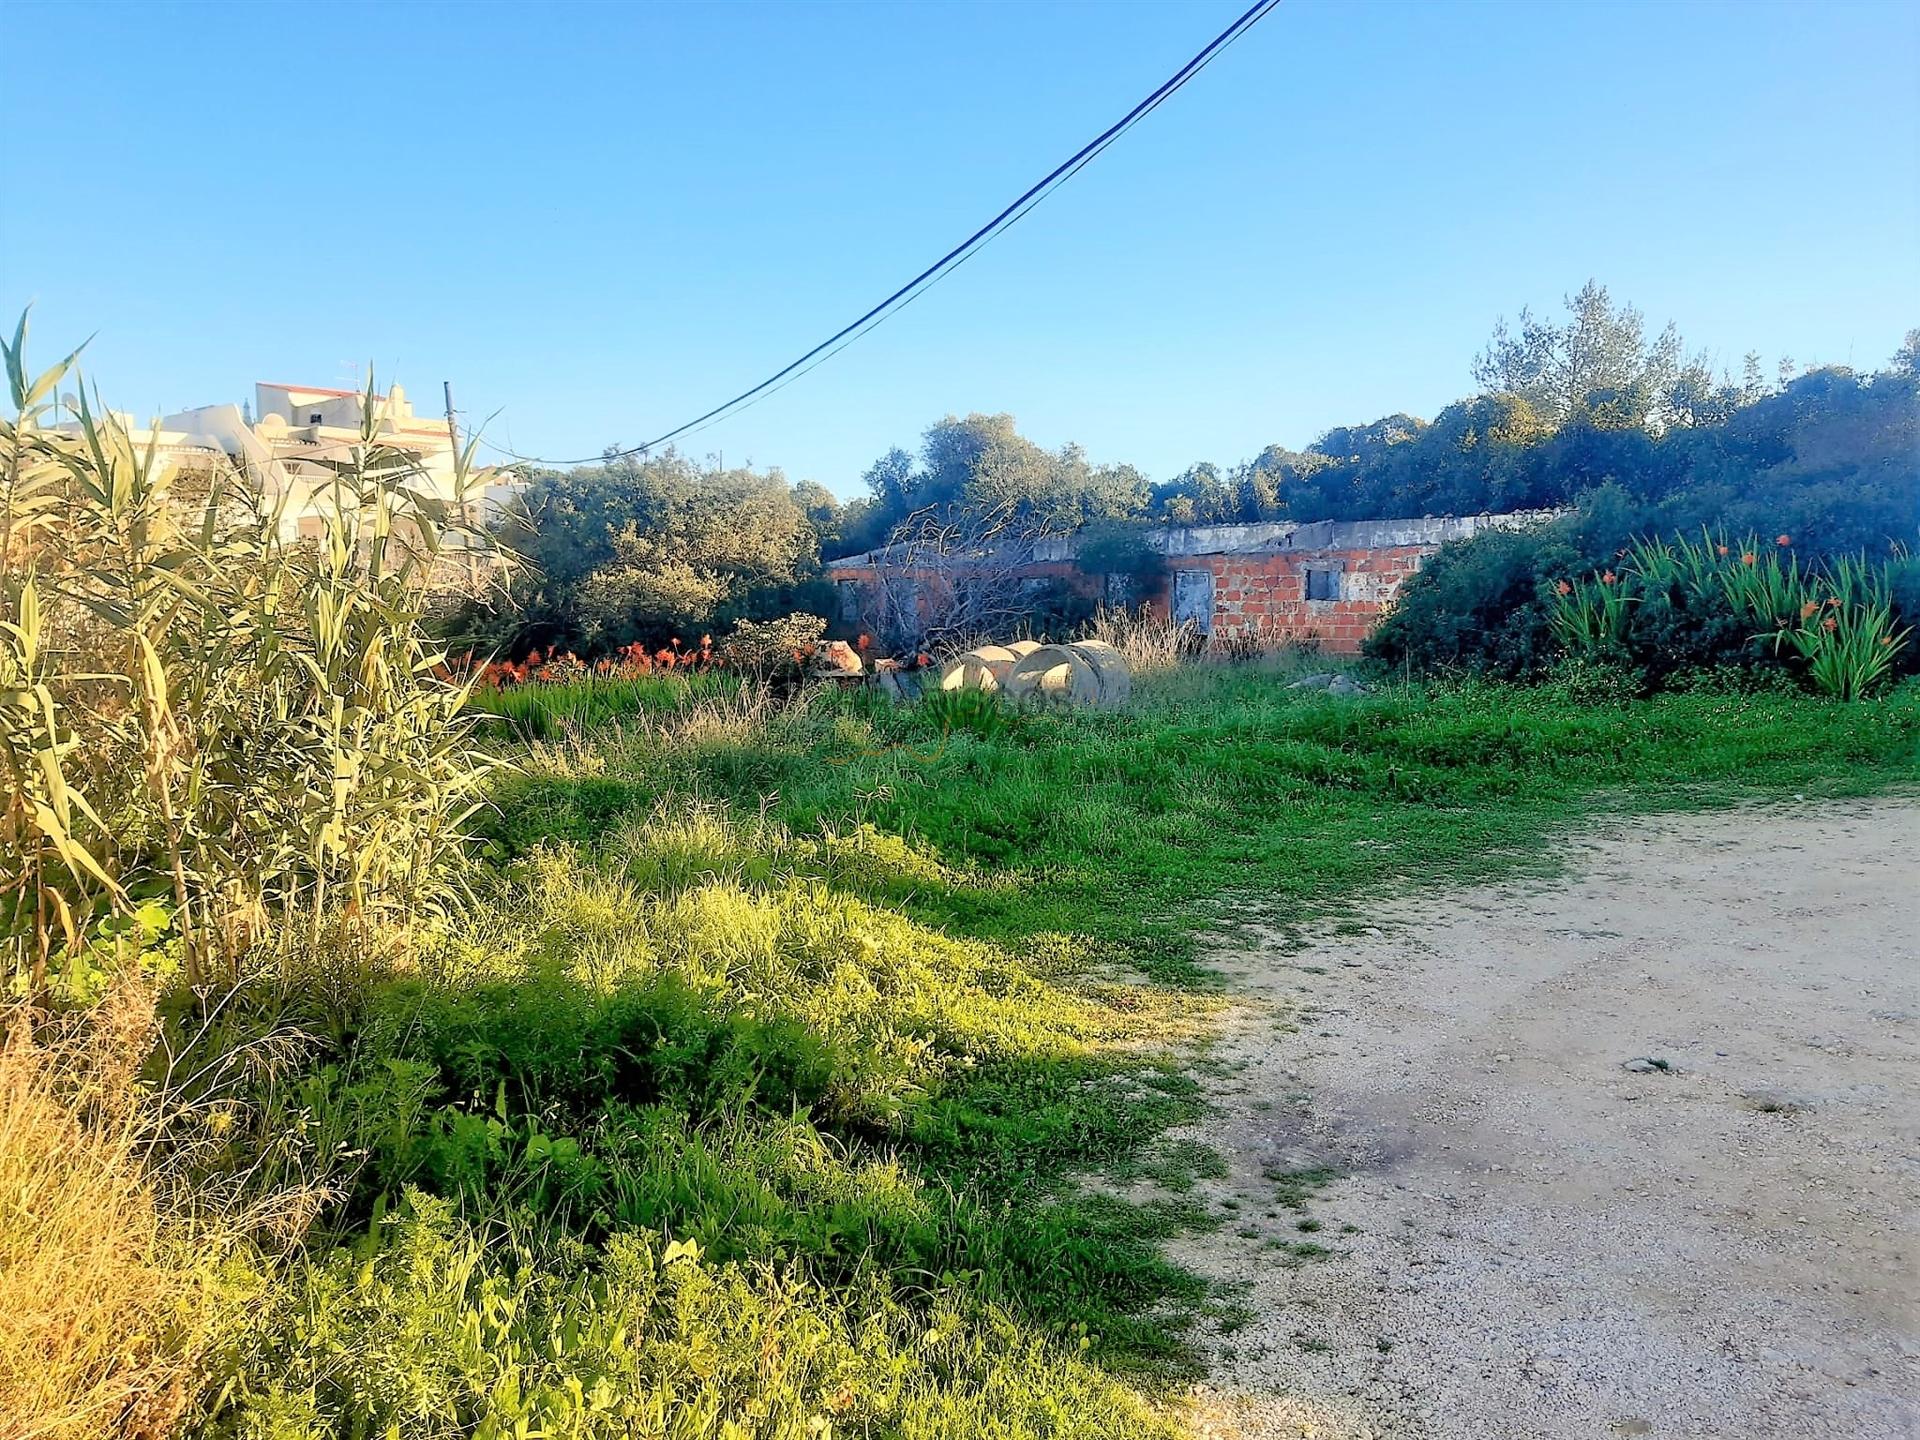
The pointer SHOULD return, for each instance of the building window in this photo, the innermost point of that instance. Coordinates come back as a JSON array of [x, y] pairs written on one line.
[[1323, 584], [314, 418], [849, 601]]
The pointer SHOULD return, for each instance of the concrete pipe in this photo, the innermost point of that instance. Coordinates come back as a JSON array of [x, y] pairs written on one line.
[[1116, 681], [984, 667], [1054, 674]]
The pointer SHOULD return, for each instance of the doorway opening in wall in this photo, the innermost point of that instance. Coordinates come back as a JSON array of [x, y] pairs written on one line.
[[1193, 599], [1323, 584]]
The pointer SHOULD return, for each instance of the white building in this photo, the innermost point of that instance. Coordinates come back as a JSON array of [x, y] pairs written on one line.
[[293, 430]]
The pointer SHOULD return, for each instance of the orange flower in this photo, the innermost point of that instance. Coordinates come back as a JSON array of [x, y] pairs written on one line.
[[1564, 588], [1722, 549], [1809, 609], [1783, 539], [863, 642], [924, 658], [1829, 624], [1833, 602], [1749, 558], [706, 642], [1608, 578]]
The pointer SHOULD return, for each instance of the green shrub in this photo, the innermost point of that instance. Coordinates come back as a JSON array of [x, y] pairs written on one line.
[[548, 1044], [973, 712], [1516, 606], [1477, 607], [772, 647]]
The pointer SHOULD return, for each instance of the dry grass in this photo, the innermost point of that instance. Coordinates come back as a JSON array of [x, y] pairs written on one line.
[[90, 1298], [1149, 643], [1155, 644], [109, 1296]]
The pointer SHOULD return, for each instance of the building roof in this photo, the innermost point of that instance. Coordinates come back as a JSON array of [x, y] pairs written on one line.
[[306, 389]]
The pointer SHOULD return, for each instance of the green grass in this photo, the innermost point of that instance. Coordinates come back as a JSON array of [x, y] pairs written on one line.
[[543, 712], [1127, 834], [808, 1030]]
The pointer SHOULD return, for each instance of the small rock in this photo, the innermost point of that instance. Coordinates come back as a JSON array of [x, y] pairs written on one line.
[[838, 660], [1648, 1065], [1773, 1102]]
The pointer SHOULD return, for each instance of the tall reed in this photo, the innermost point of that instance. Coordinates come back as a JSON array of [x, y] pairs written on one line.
[[210, 729]]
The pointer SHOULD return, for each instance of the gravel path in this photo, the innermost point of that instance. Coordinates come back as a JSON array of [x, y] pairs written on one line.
[[1544, 1242]]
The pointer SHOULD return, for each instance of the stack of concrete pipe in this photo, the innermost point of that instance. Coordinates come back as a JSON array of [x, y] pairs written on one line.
[[1082, 672], [985, 667]]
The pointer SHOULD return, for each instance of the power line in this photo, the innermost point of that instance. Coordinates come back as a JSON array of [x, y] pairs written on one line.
[[876, 320], [947, 263]]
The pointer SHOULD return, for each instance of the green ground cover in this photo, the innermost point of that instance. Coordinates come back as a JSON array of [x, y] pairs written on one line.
[[755, 1086], [1134, 829]]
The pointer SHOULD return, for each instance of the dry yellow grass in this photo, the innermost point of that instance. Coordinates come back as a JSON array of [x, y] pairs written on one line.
[[102, 1299], [1149, 643]]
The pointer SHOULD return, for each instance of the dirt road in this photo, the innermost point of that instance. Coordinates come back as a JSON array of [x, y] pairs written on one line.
[[1530, 1238]]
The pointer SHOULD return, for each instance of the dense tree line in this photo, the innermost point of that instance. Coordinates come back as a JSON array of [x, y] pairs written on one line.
[[1567, 408], [1831, 456]]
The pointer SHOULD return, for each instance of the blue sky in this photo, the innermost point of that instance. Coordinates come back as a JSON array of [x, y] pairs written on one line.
[[600, 220]]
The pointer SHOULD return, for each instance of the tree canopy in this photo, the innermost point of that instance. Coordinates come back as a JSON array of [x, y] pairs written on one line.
[[983, 463], [1566, 405], [650, 548]]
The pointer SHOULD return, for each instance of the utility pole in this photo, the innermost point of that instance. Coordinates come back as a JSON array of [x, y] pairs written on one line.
[[453, 439], [460, 497], [453, 430]]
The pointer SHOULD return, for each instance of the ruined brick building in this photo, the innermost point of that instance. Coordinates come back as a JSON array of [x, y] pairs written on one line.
[[1326, 581]]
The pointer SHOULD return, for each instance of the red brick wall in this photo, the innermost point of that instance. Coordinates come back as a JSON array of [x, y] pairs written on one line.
[[1265, 596]]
